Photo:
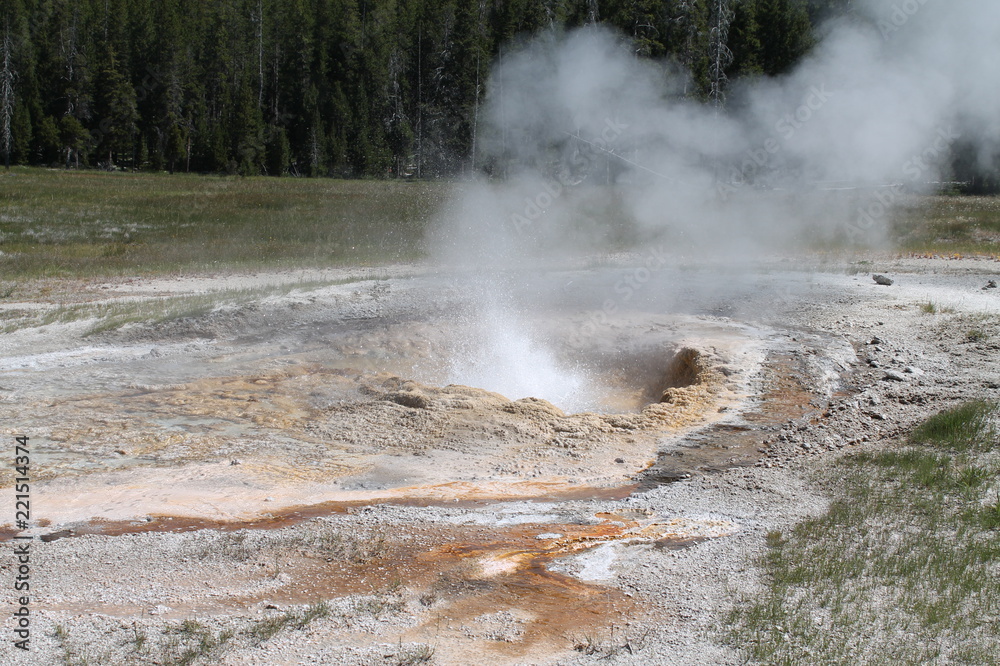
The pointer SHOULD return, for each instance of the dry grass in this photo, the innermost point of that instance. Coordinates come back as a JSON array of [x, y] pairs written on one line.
[[188, 642], [413, 655], [314, 539], [112, 315], [980, 330], [608, 644]]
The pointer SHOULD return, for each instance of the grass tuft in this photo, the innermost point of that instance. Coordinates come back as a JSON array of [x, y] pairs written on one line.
[[969, 426], [269, 627], [331, 545], [989, 515], [607, 646], [975, 335], [411, 656]]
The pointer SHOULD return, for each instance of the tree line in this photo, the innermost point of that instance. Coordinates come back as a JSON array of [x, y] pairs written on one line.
[[344, 88]]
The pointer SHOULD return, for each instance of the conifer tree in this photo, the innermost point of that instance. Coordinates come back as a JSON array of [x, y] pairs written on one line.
[[355, 88], [115, 106]]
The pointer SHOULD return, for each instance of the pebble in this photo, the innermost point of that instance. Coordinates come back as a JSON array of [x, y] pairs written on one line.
[[894, 375]]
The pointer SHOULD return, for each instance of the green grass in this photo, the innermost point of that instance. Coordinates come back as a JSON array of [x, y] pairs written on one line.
[[192, 643], [948, 225], [89, 223], [58, 223], [969, 427], [270, 627], [903, 568]]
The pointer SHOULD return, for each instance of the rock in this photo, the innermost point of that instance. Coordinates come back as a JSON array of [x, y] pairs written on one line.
[[53, 536], [160, 610], [913, 370], [894, 376], [882, 280], [413, 399], [876, 341], [992, 284], [619, 460]]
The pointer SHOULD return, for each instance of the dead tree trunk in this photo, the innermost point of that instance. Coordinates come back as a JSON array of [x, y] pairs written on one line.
[[721, 56], [7, 75]]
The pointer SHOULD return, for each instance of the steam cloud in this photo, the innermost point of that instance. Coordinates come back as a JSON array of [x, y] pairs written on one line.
[[598, 146]]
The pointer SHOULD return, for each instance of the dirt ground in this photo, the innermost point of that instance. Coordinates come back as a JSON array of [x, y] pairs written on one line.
[[302, 475]]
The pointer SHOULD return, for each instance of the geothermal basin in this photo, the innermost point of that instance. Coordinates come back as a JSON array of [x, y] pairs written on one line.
[[350, 393], [392, 438]]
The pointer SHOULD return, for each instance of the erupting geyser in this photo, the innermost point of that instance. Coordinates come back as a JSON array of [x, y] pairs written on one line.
[[504, 355], [592, 150]]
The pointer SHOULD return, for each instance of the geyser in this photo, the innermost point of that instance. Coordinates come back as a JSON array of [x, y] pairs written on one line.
[[594, 150], [504, 355]]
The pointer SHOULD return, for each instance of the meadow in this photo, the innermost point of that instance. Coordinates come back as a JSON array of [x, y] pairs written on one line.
[[57, 223], [948, 225], [77, 224]]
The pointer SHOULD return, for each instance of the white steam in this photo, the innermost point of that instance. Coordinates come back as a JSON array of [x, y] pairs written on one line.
[[596, 146], [504, 355]]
